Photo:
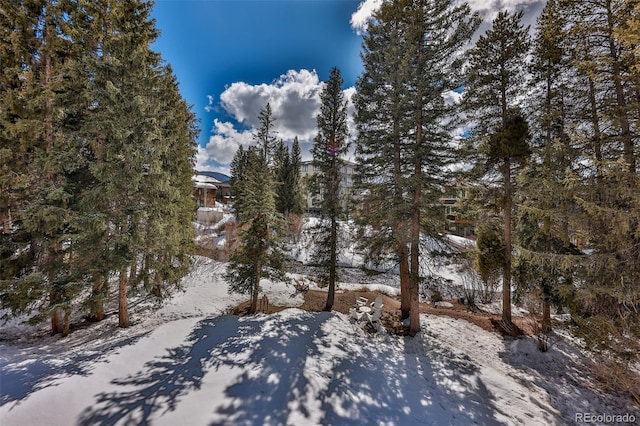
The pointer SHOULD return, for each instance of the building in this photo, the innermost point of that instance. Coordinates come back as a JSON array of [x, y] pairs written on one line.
[[221, 182], [312, 201], [456, 223], [204, 190]]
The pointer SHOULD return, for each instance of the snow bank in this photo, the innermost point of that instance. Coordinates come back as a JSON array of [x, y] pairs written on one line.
[[190, 363]]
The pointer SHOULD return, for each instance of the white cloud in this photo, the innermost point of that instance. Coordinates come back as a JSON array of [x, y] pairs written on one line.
[[487, 8], [209, 106], [360, 18], [294, 98], [496, 5], [222, 144], [295, 101]]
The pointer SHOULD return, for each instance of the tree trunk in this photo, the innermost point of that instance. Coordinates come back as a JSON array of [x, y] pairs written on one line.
[[506, 277], [56, 321], [123, 304], [96, 306], [414, 283], [67, 322], [621, 101], [333, 236], [256, 289], [546, 317], [414, 318], [333, 264], [133, 271], [414, 280], [405, 292]]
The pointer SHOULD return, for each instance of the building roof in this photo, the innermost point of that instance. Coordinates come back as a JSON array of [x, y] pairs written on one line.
[[201, 181], [219, 177], [205, 185]]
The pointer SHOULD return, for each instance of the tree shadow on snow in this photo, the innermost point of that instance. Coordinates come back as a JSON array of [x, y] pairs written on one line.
[[20, 378], [428, 385], [302, 369], [563, 373]]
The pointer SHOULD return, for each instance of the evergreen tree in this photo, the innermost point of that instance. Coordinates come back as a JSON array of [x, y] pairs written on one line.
[[110, 164], [260, 252], [544, 203], [282, 166], [405, 125], [329, 145], [494, 80], [294, 179], [605, 182], [237, 172], [381, 169], [266, 135], [289, 191], [41, 157]]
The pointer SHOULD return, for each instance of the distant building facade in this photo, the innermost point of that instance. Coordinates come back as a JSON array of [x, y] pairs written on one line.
[[205, 195], [456, 223], [312, 201]]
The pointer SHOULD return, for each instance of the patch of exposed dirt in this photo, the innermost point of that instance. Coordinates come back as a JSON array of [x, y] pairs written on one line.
[[315, 301]]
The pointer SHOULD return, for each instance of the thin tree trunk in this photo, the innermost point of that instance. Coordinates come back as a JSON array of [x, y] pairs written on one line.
[[54, 295], [333, 231], [133, 271], [67, 322], [96, 308], [256, 289], [546, 316], [621, 110], [56, 321], [414, 282], [333, 263], [506, 277], [123, 304], [405, 294]]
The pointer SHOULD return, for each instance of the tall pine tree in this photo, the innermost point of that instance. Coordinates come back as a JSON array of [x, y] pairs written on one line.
[[329, 145], [260, 252], [494, 80], [108, 166], [405, 126]]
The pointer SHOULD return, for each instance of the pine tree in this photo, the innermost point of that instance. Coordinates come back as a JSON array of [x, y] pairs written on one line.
[[260, 252], [265, 136], [544, 204], [494, 80], [405, 127], [287, 164], [329, 145], [294, 179], [108, 167], [282, 166], [380, 166], [42, 158], [605, 182], [167, 173], [237, 172]]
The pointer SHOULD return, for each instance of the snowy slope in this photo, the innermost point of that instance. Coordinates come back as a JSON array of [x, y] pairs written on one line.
[[188, 363]]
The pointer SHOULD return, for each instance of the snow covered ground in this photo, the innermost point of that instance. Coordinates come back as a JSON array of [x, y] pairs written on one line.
[[189, 363]]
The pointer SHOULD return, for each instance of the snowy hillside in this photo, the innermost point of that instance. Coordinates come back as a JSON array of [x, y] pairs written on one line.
[[189, 363]]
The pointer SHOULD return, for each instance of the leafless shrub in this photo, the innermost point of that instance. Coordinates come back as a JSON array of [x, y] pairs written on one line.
[[545, 341], [532, 301], [618, 378], [472, 288]]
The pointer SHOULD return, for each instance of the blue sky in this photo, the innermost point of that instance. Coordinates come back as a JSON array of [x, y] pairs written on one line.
[[233, 56]]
